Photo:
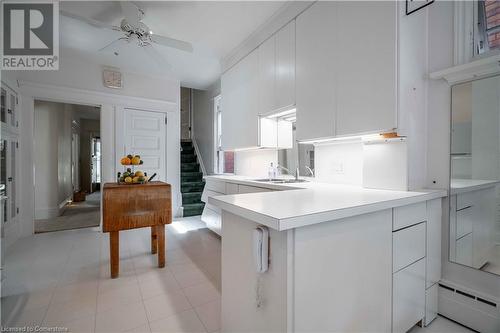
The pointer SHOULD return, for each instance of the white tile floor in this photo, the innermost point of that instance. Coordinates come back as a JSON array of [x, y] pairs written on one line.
[[62, 279]]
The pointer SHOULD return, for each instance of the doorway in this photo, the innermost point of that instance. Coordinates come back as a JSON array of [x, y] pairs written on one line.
[[185, 113], [67, 166]]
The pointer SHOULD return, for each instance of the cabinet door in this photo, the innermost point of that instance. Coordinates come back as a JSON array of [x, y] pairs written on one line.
[[285, 66], [408, 297], [366, 66], [240, 104], [463, 250], [433, 272], [267, 73], [228, 105], [316, 56]]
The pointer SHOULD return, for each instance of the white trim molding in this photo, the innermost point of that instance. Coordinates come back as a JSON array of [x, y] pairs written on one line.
[[81, 96], [470, 71]]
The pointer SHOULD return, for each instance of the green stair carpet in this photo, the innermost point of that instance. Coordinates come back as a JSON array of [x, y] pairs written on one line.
[[192, 183]]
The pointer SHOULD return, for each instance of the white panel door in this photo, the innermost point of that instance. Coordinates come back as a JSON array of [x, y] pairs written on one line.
[[145, 135]]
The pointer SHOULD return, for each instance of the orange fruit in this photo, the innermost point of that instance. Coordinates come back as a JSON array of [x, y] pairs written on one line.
[[125, 161]]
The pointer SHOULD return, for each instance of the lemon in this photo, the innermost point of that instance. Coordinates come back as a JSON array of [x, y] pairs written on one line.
[[128, 180]]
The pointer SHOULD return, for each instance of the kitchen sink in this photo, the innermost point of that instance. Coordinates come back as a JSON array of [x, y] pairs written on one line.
[[281, 181]]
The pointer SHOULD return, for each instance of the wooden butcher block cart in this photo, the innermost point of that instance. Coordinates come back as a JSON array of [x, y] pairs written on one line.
[[136, 206]]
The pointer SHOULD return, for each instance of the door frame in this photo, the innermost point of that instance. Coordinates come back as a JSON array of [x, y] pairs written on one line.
[[30, 91]]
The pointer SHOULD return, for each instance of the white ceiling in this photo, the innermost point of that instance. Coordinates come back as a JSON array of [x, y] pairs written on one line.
[[214, 28]]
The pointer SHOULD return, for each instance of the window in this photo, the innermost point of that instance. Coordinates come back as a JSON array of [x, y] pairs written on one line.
[[224, 160], [487, 27]]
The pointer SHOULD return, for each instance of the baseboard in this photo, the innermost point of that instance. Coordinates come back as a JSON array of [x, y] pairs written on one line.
[[469, 308], [62, 205], [46, 213]]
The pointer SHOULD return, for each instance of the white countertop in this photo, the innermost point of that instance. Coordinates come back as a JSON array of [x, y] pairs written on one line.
[[468, 185], [300, 204]]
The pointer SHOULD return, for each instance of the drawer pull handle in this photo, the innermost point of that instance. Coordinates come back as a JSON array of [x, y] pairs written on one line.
[[466, 207]]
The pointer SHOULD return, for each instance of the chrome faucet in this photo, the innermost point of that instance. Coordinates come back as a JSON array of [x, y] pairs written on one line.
[[310, 170], [283, 168]]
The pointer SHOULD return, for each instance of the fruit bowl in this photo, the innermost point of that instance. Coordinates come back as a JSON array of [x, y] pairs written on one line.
[[130, 176]]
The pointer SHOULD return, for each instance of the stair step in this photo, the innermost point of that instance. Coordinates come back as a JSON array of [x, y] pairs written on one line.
[[190, 167], [188, 158], [186, 144], [191, 197], [193, 209], [191, 176], [187, 150], [192, 186]]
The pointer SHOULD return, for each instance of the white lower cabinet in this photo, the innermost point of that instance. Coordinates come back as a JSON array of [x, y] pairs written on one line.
[[214, 187], [416, 249], [408, 297], [350, 275]]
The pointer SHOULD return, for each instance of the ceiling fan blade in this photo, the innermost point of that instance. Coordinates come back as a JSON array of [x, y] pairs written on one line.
[[116, 43], [156, 57], [171, 42], [90, 21], [133, 14]]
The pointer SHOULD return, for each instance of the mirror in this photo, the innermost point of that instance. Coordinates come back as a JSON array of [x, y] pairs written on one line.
[[475, 174], [299, 155]]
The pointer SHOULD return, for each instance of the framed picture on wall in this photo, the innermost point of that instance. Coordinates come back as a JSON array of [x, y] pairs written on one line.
[[414, 5]]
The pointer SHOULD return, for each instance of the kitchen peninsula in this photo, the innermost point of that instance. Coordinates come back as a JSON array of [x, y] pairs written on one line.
[[341, 258]]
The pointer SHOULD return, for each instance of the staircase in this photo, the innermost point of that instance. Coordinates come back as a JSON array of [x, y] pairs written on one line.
[[192, 183]]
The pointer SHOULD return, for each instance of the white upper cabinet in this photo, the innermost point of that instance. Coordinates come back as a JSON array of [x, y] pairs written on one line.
[[267, 73], [317, 49], [366, 67], [240, 104], [346, 74], [285, 66], [277, 70]]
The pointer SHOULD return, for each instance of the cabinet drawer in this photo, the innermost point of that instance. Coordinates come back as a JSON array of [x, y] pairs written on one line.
[[212, 219], [464, 221], [231, 188], [409, 215], [209, 193], [251, 189], [216, 186], [408, 246], [408, 306], [465, 200]]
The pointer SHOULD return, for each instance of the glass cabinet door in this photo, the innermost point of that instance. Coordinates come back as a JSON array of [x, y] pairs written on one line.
[[3, 180], [3, 104], [12, 110], [12, 178]]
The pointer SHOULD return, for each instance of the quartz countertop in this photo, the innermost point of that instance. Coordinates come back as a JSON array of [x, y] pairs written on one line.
[[299, 204], [468, 185]]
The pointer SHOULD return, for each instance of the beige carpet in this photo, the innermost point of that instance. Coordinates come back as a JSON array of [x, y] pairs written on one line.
[[75, 216]]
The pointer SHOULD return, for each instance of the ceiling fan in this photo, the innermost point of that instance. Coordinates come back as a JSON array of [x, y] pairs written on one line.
[[135, 32]]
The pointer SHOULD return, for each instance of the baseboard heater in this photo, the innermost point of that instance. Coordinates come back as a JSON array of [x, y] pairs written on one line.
[[469, 308], [469, 295]]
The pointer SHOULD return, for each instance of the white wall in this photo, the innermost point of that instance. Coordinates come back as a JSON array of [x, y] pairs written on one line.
[[441, 55], [203, 124], [254, 163], [340, 163], [53, 181], [80, 82], [46, 131]]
